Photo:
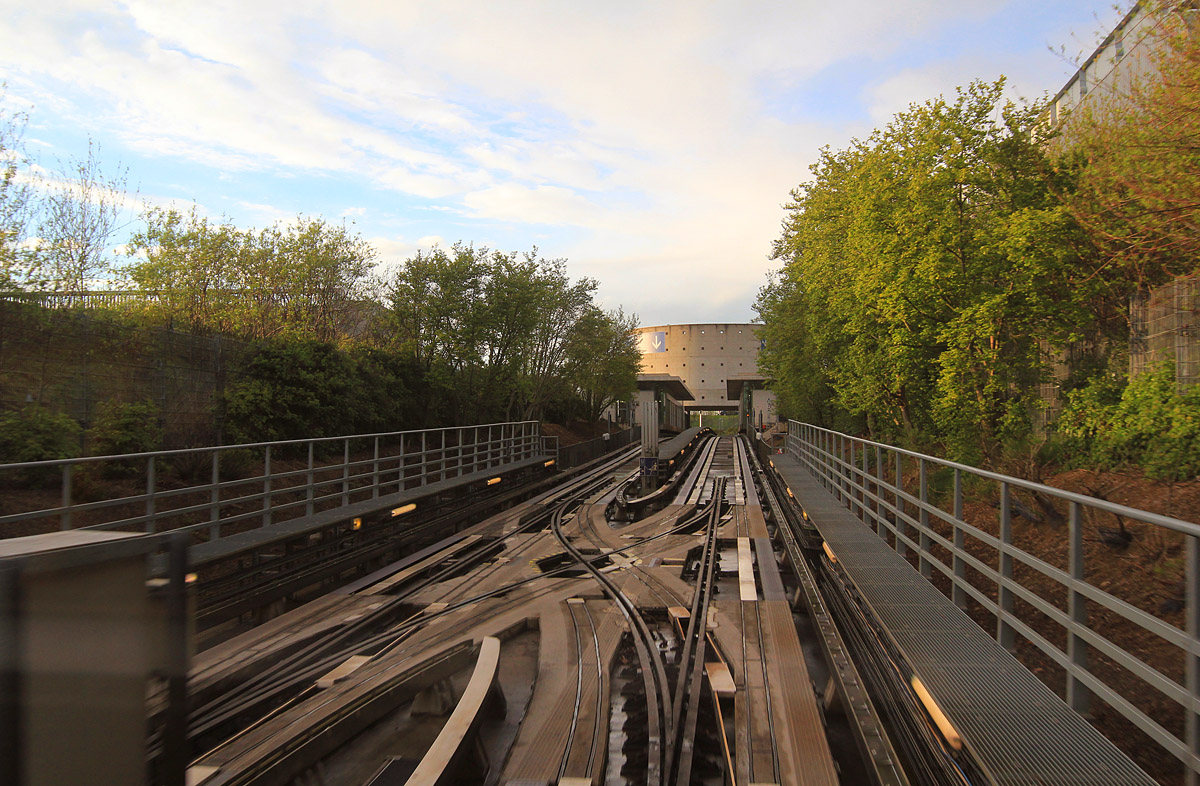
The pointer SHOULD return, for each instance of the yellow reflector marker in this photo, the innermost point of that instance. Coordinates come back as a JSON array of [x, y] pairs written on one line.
[[772, 463], [400, 511], [358, 524], [190, 578], [939, 718], [829, 552], [493, 481], [549, 463], [790, 494]]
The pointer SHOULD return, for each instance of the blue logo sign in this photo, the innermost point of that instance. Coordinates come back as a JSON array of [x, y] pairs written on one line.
[[653, 342]]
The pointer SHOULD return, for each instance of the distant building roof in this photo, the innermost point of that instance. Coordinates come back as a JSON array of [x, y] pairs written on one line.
[[674, 386], [735, 383]]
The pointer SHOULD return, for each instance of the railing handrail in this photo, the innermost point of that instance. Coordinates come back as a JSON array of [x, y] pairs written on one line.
[[248, 445], [1178, 525]]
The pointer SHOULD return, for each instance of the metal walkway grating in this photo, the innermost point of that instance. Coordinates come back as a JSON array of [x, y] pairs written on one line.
[[1018, 728]]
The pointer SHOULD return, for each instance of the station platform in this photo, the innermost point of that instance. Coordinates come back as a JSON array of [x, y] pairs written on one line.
[[1019, 730]]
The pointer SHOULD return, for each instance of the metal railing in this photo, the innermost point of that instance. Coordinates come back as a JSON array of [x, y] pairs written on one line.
[[252, 485], [989, 569], [583, 452]]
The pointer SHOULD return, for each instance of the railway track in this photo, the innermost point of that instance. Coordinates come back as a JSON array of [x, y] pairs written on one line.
[[658, 650]]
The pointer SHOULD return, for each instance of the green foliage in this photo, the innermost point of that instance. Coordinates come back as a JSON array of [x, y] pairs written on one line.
[[1149, 423], [921, 268], [299, 281], [119, 428], [1133, 150], [37, 434], [300, 390], [504, 335]]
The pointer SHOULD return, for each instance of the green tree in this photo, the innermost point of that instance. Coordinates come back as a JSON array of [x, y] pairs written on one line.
[[17, 263], [1137, 163], [303, 280], [928, 270], [488, 328], [603, 359]]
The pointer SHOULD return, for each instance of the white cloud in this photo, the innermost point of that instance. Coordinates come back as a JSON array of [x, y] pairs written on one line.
[[641, 133]]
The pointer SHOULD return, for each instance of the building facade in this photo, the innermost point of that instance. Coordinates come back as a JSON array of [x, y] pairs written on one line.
[[704, 356]]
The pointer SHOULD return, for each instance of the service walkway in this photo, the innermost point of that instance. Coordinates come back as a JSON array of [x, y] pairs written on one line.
[[1018, 729]]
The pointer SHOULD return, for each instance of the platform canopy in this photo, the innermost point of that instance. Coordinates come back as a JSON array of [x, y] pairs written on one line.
[[735, 383], [672, 385]]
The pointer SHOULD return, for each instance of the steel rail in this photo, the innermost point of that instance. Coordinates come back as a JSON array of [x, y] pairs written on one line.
[[691, 665], [656, 685]]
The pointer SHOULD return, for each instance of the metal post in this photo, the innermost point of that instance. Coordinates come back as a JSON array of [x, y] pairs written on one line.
[[424, 462], [345, 472], [867, 490], [65, 519], [1004, 631], [923, 517], [375, 471], [878, 491], [1078, 695], [1193, 663], [12, 725], [960, 544], [266, 516], [310, 492], [214, 498], [175, 744], [901, 527], [151, 482]]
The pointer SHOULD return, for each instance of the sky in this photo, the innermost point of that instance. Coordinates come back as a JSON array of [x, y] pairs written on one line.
[[650, 144]]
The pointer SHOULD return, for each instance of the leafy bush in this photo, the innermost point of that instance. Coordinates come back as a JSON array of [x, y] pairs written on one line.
[[37, 434], [119, 428], [1150, 424], [301, 390]]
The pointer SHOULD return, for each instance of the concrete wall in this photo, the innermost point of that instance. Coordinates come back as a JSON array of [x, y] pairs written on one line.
[[703, 355]]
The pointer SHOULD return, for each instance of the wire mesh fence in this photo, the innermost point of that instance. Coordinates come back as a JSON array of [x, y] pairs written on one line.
[[73, 360], [1164, 325]]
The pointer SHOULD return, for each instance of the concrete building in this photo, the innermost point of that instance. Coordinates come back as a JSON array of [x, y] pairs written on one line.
[[1124, 58], [704, 356]]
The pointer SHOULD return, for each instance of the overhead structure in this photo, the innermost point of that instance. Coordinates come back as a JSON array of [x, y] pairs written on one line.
[[756, 404], [703, 356], [660, 406]]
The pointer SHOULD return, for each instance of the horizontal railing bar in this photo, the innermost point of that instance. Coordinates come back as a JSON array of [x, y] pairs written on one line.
[[1178, 525], [251, 445]]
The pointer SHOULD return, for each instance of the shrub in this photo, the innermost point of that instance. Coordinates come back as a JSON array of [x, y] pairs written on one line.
[[1150, 424], [119, 428], [37, 434]]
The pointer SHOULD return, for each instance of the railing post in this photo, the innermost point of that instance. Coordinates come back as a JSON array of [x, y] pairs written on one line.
[[310, 492], [65, 518], [345, 472], [424, 461], [1004, 630], [266, 516], [960, 544], [151, 484], [375, 471], [923, 563], [878, 491], [901, 526], [1193, 663], [1078, 695], [214, 498]]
